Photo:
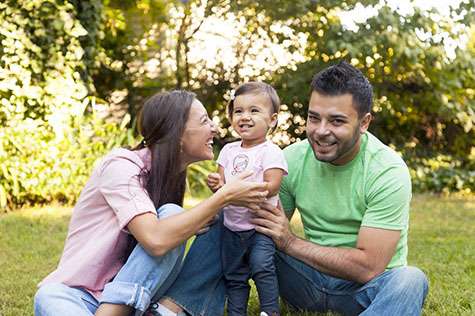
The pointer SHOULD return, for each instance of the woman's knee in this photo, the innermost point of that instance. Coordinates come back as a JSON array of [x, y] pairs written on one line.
[[48, 292], [169, 209], [48, 297]]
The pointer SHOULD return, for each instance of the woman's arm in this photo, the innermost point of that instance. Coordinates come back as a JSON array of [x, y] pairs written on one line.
[[158, 236]]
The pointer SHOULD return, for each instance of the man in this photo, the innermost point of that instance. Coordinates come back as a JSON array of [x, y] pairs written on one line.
[[353, 194]]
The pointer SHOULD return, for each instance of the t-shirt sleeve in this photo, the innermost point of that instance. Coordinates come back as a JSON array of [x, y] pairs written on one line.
[[287, 199], [120, 185], [388, 197], [274, 158], [222, 157]]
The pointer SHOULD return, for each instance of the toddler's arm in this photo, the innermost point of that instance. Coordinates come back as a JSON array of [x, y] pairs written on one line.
[[273, 177]]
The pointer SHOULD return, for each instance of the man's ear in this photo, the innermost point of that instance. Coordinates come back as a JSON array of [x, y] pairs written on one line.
[[364, 124]]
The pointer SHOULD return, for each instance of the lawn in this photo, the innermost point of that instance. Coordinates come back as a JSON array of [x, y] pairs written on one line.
[[441, 243]]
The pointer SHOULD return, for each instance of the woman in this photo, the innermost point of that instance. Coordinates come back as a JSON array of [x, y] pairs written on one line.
[[138, 193]]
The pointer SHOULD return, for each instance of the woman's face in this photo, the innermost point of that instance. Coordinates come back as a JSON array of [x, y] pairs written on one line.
[[197, 139]]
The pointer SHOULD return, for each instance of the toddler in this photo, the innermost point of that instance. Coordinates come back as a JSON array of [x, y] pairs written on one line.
[[246, 253]]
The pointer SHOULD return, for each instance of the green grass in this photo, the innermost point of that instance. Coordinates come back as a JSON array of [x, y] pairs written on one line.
[[441, 243]]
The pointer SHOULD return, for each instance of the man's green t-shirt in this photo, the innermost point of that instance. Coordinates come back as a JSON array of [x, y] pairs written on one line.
[[372, 190]]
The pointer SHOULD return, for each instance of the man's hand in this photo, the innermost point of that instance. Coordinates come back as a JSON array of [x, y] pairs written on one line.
[[271, 221], [215, 182], [374, 249]]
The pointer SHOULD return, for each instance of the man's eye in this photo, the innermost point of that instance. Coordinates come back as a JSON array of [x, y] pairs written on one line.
[[338, 122]]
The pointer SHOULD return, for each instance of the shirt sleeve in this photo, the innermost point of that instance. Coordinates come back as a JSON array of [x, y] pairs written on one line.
[[287, 200], [222, 157], [274, 159], [120, 185], [388, 198]]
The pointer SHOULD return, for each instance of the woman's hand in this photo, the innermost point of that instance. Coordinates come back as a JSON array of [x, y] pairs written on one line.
[[244, 193]]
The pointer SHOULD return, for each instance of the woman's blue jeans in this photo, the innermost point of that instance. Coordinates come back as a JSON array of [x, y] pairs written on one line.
[[143, 279], [199, 288]]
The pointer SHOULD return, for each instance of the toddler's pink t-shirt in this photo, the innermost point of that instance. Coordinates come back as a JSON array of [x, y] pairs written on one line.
[[236, 159], [97, 243]]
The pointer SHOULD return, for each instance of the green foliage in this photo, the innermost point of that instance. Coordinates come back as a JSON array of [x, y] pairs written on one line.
[[49, 139], [196, 178], [44, 67], [38, 167], [56, 57], [442, 174]]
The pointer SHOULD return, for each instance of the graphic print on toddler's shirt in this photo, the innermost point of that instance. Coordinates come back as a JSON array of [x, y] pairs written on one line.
[[240, 163]]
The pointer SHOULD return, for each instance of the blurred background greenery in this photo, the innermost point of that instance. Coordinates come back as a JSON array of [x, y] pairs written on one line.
[[73, 74]]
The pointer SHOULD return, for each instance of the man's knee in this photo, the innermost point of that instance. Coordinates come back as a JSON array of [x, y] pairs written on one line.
[[411, 277], [299, 284], [169, 209], [409, 282]]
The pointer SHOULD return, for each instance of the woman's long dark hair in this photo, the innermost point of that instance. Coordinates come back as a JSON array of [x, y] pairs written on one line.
[[161, 123]]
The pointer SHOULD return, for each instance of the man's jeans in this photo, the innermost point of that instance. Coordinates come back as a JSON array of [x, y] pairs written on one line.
[[143, 279], [249, 254], [399, 291], [199, 288]]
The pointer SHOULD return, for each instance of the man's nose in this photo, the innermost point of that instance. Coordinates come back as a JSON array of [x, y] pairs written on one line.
[[322, 129]]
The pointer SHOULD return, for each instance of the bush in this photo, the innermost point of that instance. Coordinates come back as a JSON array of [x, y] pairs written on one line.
[[442, 174], [37, 166]]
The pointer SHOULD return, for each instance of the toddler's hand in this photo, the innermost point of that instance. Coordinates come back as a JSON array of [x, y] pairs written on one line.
[[214, 181]]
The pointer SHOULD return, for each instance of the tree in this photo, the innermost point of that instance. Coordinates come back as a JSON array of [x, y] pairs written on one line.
[[422, 91]]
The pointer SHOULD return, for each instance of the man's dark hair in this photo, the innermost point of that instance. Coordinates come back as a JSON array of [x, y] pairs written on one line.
[[344, 78]]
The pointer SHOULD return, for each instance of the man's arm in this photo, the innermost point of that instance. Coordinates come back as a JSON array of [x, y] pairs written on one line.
[[374, 249]]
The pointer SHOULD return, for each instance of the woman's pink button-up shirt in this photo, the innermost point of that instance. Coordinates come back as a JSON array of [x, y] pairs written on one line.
[[97, 242]]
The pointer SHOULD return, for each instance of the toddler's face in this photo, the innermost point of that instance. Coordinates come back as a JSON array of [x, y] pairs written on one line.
[[252, 117]]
